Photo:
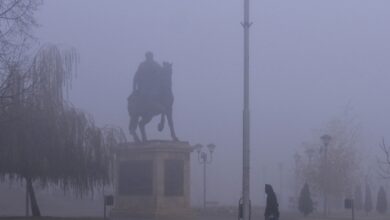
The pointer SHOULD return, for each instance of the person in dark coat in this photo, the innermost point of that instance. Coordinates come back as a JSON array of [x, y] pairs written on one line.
[[272, 206]]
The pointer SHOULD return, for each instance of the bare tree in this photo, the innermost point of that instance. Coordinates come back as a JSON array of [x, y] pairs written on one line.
[[16, 23], [384, 161], [331, 170]]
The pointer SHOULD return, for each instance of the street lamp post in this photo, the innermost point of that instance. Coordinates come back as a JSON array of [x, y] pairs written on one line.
[[205, 158], [246, 119], [297, 161], [325, 140], [280, 184]]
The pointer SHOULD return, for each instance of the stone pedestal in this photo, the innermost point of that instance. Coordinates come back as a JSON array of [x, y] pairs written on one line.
[[152, 180]]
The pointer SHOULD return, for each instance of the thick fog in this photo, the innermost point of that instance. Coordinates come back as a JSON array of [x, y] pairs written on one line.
[[310, 61]]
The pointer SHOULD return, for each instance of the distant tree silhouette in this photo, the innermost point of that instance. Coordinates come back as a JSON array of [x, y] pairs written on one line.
[[384, 161], [381, 204], [358, 201], [305, 205], [368, 200], [337, 174]]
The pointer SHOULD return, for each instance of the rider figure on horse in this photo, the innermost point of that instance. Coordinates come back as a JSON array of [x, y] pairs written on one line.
[[152, 95], [146, 82]]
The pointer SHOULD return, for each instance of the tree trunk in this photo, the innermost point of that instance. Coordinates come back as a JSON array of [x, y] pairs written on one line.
[[27, 202], [34, 204]]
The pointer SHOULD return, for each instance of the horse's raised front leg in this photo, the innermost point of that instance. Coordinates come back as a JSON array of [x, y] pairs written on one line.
[[133, 127], [171, 127], [142, 123]]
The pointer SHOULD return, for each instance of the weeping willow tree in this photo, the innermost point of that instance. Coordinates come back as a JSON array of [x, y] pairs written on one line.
[[45, 138]]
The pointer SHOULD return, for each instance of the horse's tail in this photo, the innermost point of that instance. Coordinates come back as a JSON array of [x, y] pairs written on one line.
[[162, 122]]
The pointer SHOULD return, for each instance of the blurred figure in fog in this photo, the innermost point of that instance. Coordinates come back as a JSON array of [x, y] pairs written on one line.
[[146, 82], [272, 208]]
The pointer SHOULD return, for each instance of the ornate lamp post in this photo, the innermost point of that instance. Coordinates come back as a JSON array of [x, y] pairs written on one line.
[[325, 140], [204, 158]]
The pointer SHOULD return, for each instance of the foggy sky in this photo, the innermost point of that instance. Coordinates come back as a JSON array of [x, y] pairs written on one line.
[[310, 59]]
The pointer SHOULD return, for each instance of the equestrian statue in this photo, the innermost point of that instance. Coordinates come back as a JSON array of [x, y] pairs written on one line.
[[151, 96]]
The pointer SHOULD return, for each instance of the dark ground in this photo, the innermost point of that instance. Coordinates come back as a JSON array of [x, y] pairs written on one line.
[[66, 207], [213, 215]]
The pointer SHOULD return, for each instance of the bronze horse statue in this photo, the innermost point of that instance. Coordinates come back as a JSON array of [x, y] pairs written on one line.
[[142, 110]]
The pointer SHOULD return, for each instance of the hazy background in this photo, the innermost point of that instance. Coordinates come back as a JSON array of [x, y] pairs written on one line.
[[310, 60]]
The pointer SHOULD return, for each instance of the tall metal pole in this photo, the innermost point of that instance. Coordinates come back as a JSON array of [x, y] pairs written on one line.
[[326, 140], [326, 181], [246, 127], [204, 183]]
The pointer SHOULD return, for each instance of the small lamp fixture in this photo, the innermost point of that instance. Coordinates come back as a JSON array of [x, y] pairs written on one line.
[[211, 147], [326, 139], [198, 148]]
